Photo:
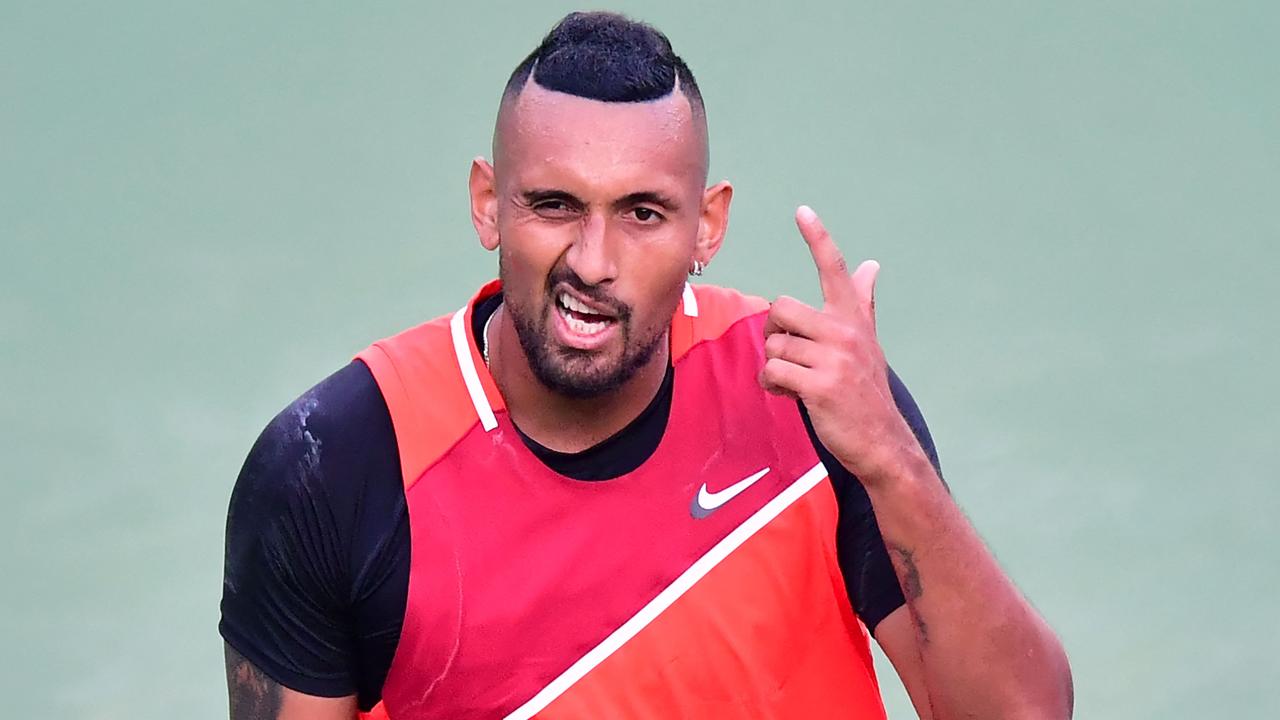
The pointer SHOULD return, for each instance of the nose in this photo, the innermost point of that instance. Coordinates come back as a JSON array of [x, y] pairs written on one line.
[[591, 256]]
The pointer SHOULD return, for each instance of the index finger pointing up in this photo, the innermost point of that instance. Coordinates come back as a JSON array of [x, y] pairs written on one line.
[[833, 272]]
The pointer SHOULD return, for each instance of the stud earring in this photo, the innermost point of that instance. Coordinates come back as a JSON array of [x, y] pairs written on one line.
[[698, 267]]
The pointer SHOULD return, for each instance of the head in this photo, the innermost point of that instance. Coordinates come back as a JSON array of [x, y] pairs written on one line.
[[596, 200]]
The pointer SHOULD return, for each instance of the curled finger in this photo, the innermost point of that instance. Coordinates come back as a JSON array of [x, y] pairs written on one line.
[[793, 348]]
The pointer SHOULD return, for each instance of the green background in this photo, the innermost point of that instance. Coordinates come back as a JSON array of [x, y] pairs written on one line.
[[206, 208]]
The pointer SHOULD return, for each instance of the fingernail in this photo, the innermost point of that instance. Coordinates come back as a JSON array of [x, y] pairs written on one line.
[[806, 213]]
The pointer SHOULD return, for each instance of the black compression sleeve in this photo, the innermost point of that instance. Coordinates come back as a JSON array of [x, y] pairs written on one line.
[[868, 572], [317, 543]]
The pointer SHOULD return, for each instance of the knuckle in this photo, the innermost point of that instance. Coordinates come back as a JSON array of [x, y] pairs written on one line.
[[848, 368], [828, 385], [846, 334]]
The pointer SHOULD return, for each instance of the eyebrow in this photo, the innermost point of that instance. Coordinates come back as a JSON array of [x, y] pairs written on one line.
[[647, 197], [644, 197]]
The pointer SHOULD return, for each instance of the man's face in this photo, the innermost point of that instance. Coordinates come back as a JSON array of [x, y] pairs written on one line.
[[598, 210]]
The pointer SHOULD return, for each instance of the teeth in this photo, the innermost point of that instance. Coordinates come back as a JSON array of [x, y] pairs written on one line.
[[575, 305], [576, 324], [582, 327]]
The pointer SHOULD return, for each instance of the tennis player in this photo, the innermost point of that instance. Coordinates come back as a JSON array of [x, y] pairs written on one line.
[[596, 490]]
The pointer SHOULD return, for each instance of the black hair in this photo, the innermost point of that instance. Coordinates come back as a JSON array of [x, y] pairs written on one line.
[[609, 57]]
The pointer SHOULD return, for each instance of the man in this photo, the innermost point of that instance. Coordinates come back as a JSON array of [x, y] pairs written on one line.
[[596, 491]]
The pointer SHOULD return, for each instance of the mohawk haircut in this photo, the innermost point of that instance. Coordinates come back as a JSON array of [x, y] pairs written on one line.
[[608, 57]]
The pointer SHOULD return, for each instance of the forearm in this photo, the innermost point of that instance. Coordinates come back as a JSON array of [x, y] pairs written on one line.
[[986, 653]]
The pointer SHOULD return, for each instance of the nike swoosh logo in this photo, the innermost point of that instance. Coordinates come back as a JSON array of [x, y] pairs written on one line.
[[707, 502]]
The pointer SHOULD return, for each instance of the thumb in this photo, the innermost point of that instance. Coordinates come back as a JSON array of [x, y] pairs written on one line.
[[864, 287]]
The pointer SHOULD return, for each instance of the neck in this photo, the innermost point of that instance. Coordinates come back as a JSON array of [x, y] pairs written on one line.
[[558, 422]]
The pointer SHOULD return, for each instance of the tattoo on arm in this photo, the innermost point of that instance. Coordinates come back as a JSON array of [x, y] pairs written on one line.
[[253, 695], [912, 589]]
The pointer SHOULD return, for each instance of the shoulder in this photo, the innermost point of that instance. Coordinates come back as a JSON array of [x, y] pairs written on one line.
[[425, 343], [710, 312], [339, 412], [317, 447], [427, 376], [716, 305], [317, 470]]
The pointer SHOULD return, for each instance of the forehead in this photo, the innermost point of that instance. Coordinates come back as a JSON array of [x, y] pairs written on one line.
[[546, 135]]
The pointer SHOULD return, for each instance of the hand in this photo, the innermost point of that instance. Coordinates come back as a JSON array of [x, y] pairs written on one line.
[[831, 360]]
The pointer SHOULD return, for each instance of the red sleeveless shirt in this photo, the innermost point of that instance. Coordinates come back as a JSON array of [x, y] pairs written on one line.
[[704, 584]]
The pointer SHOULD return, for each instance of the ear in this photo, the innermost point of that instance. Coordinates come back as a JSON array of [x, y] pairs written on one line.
[[484, 203], [714, 221]]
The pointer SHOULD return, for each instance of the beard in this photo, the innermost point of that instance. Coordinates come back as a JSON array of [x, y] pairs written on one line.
[[573, 372]]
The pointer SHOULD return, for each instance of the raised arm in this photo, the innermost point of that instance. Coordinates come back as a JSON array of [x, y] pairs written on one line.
[[977, 648]]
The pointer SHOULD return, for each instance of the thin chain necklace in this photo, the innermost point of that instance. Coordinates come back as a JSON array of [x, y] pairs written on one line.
[[484, 335]]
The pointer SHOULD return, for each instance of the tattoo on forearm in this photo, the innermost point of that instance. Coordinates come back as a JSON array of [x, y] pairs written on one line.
[[921, 629], [254, 696], [912, 589]]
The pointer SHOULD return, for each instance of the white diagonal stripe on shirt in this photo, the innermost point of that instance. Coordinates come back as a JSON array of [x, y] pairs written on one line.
[[670, 594]]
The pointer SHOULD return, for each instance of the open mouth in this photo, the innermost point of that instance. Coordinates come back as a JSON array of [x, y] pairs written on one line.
[[581, 318]]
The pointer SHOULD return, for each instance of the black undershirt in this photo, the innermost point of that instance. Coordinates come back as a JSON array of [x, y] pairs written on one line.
[[317, 547]]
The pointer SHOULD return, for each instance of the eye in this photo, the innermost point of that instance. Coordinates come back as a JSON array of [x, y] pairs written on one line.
[[553, 208], [647, 215]]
